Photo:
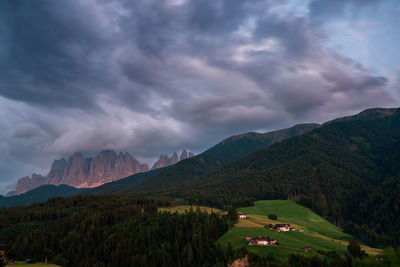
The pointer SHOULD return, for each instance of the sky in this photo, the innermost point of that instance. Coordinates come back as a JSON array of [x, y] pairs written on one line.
[[156, 76]]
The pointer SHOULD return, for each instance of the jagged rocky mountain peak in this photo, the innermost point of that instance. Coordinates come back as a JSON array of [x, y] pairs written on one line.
[[165, 160], [186, 154]]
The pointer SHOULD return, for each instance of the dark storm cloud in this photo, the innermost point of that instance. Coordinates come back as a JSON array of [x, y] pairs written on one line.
[[46, 52], [209, 16], [55, 54], [27, 131], [151, 77]]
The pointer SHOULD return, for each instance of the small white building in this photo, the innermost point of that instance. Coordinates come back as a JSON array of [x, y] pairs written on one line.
[[261, 241], [272, 241], [282, 227], [242, 216]]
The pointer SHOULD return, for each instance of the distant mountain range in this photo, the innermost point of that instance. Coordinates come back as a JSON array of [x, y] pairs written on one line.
[[81, 172], [164, 172]]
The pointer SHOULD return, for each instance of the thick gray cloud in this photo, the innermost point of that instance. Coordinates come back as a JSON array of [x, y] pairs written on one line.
[[326, 9], [151, 77]]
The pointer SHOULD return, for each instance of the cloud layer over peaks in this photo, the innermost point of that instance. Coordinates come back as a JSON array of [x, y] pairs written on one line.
[[151, 77]]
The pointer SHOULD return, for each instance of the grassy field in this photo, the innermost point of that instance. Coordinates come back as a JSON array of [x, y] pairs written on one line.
[[38, 264], [183, 209], [317, 232], [290, 212]]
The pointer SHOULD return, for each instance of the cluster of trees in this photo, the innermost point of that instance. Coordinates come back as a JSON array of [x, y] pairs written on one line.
[[272, 216], [112, 231]]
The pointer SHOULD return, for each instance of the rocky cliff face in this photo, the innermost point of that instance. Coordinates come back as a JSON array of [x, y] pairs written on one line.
[[164, 160], [76, 171], [79, 171], [28, 183], [57, 171], [186, 154], [109, 166]]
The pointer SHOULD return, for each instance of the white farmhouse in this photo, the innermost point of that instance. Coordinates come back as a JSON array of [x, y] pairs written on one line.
[[242, 216]]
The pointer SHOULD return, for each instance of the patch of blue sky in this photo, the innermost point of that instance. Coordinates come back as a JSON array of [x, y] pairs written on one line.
[[371, 37]]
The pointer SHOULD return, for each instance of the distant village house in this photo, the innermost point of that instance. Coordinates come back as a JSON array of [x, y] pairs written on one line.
[[242, 216], [307, 249], [282, 227], [261, 241]]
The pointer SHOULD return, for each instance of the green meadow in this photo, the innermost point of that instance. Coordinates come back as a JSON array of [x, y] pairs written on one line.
[[290, 212], [316, 231]]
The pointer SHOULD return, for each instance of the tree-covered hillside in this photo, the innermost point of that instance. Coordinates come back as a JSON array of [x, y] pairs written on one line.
[[230, 149], [40, 194], [377, 221], [124, 185], [332, 169]]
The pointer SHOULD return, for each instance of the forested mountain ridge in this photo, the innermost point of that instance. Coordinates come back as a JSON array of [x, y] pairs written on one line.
[[228, 150], [242, 145], [237, 147], [125, 185], [332, 169], [40, 194], [368, 114]]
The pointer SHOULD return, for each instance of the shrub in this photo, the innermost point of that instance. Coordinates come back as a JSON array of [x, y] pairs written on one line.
[[272, 217]]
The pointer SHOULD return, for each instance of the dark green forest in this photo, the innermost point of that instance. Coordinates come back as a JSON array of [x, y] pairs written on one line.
[[112, 231]]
